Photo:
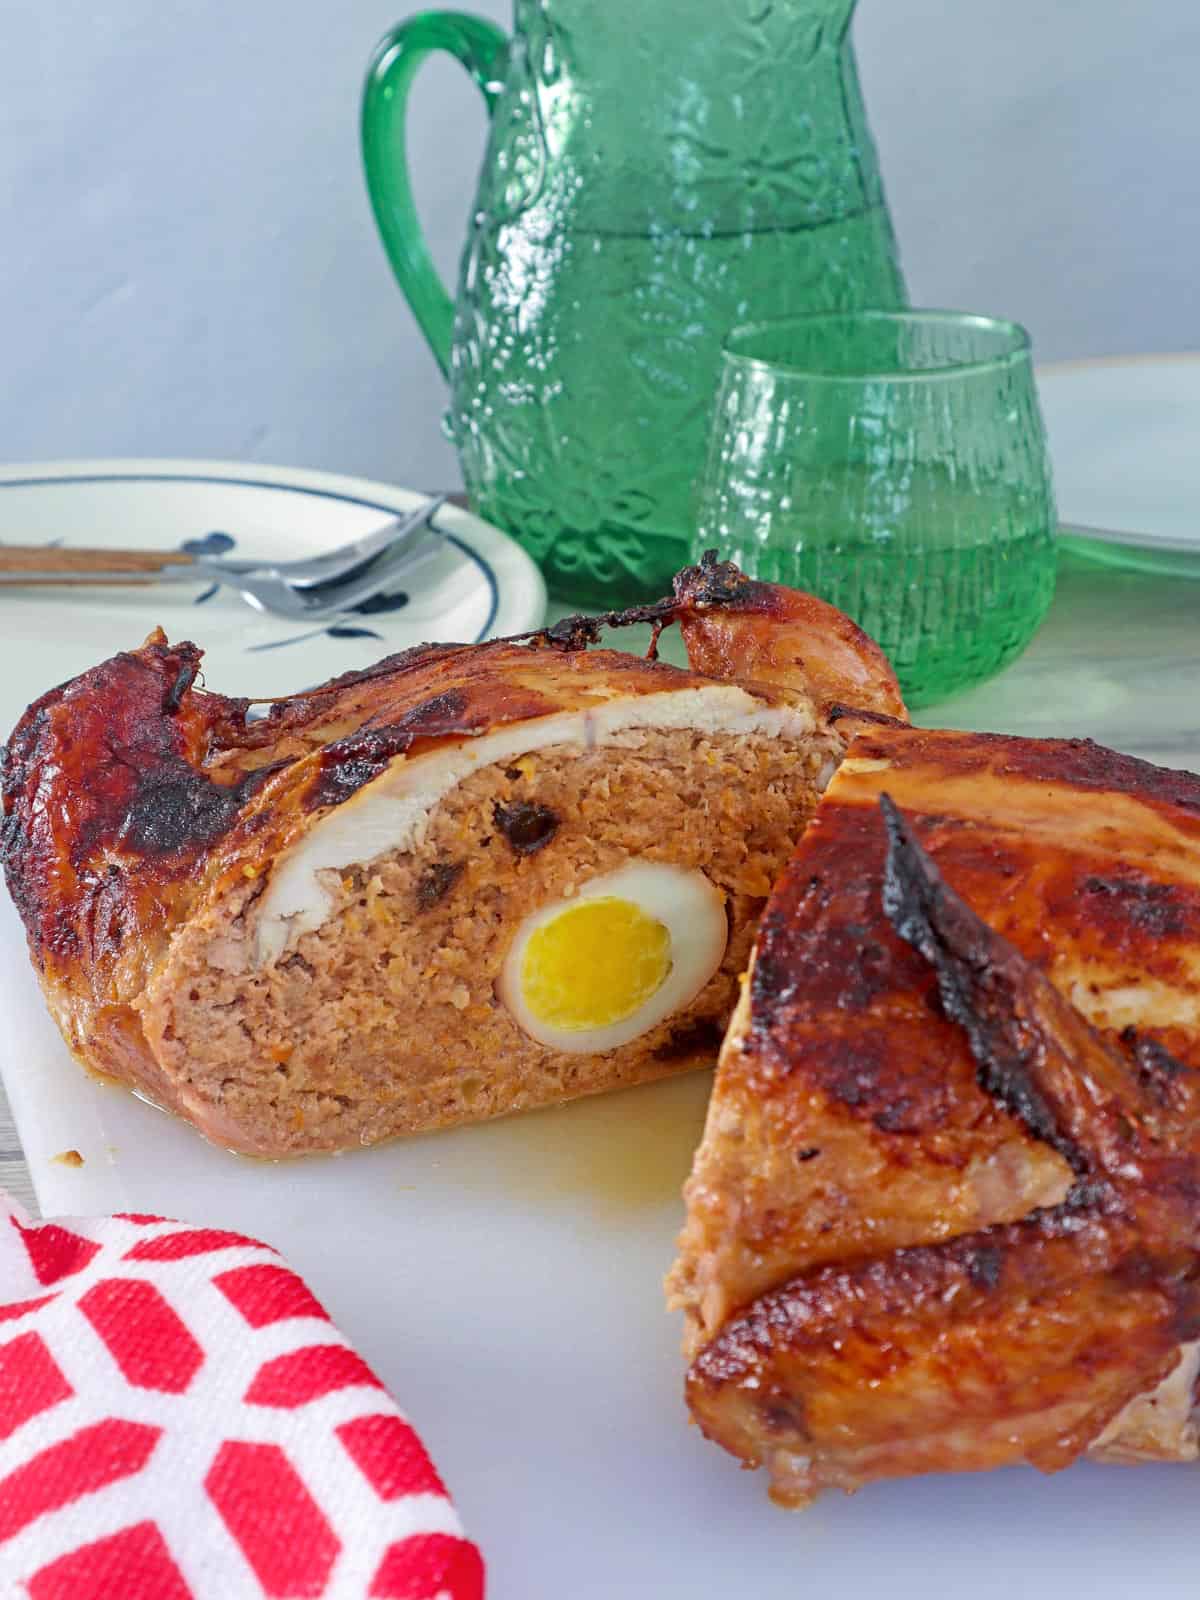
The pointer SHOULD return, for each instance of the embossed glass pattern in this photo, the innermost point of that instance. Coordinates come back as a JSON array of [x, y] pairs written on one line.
[[657, 172], [895, 464]]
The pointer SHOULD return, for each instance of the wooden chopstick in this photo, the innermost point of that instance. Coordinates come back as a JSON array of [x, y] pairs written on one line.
[[47, 561]]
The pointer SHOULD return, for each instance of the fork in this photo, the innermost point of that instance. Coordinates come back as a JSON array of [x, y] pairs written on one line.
[[320, 602], [347, 558], [312, 587]]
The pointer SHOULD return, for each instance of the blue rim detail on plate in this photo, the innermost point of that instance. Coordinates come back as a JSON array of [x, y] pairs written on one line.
[[260, 483]]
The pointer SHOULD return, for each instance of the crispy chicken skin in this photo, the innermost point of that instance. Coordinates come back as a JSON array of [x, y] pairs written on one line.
[[944, 1213], [735, 627], [132, 798]]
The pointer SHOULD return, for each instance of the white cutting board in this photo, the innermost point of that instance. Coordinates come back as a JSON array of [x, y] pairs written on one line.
[[505, 1280]]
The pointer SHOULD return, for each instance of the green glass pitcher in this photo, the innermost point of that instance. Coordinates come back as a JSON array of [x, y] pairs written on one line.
[[657, 171]]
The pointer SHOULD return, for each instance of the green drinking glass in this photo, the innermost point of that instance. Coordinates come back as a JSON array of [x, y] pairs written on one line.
[[894, 463]]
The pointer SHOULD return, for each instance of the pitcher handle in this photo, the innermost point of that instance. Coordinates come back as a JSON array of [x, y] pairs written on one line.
[[480, 45]]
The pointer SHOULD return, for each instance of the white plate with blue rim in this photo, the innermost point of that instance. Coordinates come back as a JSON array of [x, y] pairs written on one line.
[[479, 584]]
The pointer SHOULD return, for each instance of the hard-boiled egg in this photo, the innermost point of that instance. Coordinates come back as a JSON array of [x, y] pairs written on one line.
[[593, 971]]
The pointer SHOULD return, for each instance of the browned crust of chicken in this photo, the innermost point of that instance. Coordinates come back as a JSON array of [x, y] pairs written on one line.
[[736, 627], [852, 1130]]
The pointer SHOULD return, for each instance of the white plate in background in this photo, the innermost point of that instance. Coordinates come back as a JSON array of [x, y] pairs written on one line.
[[1125, 444], [480, 585]]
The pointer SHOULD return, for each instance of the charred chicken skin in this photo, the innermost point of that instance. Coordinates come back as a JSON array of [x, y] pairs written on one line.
[[944, 1216]]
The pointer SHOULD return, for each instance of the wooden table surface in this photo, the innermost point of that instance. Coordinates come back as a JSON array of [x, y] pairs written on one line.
[[14, 1174], [1117, 660]]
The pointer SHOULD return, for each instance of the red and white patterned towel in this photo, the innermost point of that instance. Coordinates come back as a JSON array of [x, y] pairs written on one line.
[[179, 1420]]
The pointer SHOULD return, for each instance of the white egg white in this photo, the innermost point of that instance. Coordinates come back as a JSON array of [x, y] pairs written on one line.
[[690, 908], [392, 812]]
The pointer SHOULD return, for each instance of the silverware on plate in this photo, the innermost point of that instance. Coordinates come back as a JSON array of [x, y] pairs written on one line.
[[311, 589]]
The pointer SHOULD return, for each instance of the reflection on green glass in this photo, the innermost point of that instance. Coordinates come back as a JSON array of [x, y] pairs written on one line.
[[895, 464], [656, 173]]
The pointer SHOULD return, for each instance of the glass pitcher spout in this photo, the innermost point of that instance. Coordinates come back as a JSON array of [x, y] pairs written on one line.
[[655, 174]]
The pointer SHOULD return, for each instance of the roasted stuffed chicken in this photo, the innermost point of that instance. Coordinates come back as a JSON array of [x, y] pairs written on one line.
[[945, 1212], [469, 881]]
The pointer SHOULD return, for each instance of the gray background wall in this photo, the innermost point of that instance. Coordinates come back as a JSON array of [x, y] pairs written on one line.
[[189, 267]]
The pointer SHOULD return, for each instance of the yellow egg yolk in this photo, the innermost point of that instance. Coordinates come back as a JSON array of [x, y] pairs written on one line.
[[594, 964]]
